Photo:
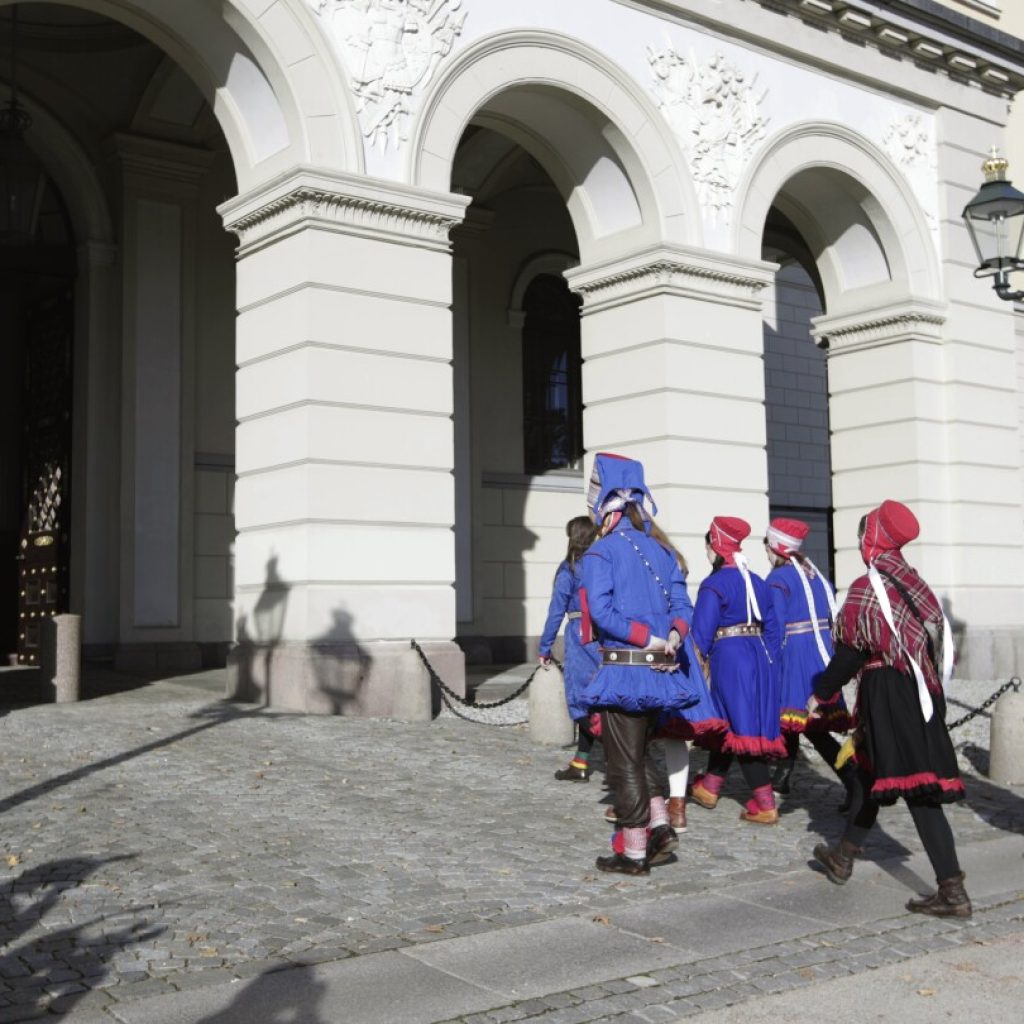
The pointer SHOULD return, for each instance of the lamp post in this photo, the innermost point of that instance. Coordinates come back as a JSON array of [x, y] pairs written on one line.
[[995, 222], [22, 175]]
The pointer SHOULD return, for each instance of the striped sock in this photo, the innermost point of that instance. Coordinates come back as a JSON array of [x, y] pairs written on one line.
[[580, 761], [635, 843], [659, 811]]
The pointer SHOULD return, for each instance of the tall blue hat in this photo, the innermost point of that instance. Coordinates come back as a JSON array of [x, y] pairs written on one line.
[[615, 483]]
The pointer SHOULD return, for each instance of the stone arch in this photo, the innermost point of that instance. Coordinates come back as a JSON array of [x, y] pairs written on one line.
[[550, 262], [597, 134], [239, 55], [857, 212]]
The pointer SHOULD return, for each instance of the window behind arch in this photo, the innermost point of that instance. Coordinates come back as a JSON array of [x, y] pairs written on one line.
[[552, 387]]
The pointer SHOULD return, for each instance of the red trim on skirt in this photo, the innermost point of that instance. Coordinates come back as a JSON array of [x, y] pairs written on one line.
[[797, 720], [681, 729], [902, 784], [755, 746]]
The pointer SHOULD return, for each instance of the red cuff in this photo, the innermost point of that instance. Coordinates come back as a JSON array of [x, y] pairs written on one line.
[[586, 624], [681, 627], [639, 634]]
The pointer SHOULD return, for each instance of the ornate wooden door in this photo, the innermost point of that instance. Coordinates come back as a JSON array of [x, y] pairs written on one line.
[[43, 550]]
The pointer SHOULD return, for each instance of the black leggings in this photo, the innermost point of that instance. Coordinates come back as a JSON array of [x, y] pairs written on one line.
[[823, 742], [755, 769], [585, 740], [929, 820]]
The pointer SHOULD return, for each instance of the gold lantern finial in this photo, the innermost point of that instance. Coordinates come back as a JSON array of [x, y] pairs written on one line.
[[995, 166]]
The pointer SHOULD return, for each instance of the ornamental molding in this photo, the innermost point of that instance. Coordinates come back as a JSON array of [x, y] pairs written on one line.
[[714, 110], [348, 204], [675, 270], [392, 49], [932, 41], [918, 320]]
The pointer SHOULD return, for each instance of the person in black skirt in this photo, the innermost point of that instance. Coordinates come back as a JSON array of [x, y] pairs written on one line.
[[892, 635]]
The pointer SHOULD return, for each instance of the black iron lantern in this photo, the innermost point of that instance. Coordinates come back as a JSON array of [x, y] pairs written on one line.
[[995, 222], [22, 175]]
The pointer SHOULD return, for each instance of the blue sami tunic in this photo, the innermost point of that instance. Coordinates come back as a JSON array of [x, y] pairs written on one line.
[[745, 677], [581, 660], [626, 606], [801, 659]]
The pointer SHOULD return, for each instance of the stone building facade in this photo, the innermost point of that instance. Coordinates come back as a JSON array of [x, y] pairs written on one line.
[[353, 287]]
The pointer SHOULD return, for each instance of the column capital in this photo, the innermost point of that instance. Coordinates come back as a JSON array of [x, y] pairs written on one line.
[[672, 270], [910, 320], [351, 204]]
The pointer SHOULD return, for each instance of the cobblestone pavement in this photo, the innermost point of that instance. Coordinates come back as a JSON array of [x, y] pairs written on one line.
[[161, 839]]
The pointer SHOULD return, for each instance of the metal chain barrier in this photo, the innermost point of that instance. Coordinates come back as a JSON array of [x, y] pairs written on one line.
[[1013, 684], [450, 698]]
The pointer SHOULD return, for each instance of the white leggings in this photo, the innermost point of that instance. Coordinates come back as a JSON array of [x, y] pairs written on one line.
[[677, 763]]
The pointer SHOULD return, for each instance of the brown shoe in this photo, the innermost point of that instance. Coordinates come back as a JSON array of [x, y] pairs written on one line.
[[770, 817], [677, 813], [951, 900], [573, 773], [837, 860], [700, 795]]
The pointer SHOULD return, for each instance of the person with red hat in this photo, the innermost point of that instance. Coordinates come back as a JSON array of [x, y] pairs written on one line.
[[736, 630], [893, 637], [806, 605]]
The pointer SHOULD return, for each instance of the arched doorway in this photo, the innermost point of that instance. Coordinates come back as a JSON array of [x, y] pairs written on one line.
[[859, 277], [118, 475], [545, 139]]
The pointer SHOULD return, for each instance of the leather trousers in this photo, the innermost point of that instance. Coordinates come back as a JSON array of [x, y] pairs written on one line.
[[632, 774]]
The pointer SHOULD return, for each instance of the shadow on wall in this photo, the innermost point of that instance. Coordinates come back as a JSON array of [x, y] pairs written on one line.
[[84, 950], [327, 675]]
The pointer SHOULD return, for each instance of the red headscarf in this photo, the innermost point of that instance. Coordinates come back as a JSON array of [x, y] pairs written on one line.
[[887, 528], [785, 536], [727, 533]]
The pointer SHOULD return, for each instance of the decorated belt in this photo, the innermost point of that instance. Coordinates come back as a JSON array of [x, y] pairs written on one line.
[[744, 629], [806, 626], [626, 656], [575, 615]]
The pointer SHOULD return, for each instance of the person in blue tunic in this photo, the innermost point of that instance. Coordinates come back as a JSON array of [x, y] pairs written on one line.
[[634, 602], [806, 605], [736, 629], [581, 661]]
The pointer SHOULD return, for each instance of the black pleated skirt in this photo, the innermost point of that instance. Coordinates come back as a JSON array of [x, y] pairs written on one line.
[[904, 755]]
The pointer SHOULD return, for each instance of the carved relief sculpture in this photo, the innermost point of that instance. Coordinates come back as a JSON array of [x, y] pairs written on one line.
[[392, 49], [907, 141], [714, 111]]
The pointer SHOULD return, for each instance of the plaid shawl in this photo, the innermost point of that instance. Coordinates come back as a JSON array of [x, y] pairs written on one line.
[[861, 625]]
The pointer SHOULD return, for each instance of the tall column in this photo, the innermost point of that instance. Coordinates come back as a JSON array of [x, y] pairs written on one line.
[[888, 418], [159, 194], [345, 501], [673, 374], [95, 475]]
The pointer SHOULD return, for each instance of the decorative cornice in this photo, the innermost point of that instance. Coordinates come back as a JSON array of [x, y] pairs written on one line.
[[946, 46], [916, 320], [674, 270], [347, 203]]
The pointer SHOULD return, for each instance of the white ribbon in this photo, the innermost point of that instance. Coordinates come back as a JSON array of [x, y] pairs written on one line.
[[925, 698], [811, 611], [752, 606]]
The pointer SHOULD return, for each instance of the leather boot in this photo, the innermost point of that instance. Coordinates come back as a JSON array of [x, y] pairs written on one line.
[[951, 900], [677, 813], [837, 860], [573, 773], [621, 864], [661, 844], [703, 796]]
